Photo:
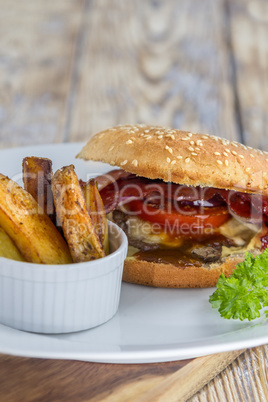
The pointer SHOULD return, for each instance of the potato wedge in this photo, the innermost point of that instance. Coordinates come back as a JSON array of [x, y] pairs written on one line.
[[72, 213], [37, 174], [33, 233], [97, 212], [8, 248]]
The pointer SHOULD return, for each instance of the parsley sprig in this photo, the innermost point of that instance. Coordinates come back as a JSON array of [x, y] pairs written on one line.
[[243, 294]]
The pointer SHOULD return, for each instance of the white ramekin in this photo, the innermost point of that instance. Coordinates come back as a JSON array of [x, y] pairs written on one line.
[[63, 298]]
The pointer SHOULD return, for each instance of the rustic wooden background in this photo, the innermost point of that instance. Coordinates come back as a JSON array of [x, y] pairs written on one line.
[[69, 68]]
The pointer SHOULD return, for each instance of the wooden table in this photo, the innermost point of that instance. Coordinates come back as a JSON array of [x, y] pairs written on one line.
[[69, 68]]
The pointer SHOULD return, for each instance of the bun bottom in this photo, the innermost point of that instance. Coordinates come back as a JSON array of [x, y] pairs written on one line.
[[171, 276]]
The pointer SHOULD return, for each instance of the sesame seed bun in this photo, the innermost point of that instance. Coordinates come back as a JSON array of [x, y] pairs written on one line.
[[184, 158], [181, 157]]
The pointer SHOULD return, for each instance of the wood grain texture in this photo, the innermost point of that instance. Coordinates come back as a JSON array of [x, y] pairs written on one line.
[[246, 379], [37, 45], [42, 379], [64, 380], [140, 64], [184, 383], [249, 33]]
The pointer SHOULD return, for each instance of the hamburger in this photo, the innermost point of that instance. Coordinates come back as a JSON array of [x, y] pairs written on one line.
[[190, 204]]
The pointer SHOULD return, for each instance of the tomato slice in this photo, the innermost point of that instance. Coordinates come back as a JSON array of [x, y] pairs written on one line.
[[186, 223]]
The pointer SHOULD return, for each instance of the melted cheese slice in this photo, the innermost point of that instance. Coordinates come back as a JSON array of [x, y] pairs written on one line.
[[245, 235]]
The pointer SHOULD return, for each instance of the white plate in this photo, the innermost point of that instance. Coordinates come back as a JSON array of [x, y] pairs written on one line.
[[152, 325]]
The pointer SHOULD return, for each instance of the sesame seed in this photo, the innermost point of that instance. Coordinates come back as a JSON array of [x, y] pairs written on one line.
[[226, 162], [192, 142], [123, 163], [227, 150], [129, 142], [234, 153], [225, 154], [247, 169], [185, 138], [112, 163], [173, 162], [160, 136], [205, 137], [252, 156], [191, 149], [170, 150], [170, 136], [168, 160], [194, 154], [146, 131], [134, 162], [261, 152], [187, 160], [179, 157], [197, 149], [234, 144], [217, 153], [241, 156], [219, 162], [266, 160], [190, 135], [147, 137], [112, 147]]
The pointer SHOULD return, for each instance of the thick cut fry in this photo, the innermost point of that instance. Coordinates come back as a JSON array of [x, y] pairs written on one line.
[[8, 248], [97, 212], [33, 233], [37, 174], [72, 213]]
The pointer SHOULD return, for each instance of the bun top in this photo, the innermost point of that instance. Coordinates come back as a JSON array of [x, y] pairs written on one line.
[[181, 157]]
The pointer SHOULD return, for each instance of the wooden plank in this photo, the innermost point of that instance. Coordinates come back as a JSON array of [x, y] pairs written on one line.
[[161, 63], [37, 45], [244, 380], [184, 383], [249, 33], [44, 379]]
